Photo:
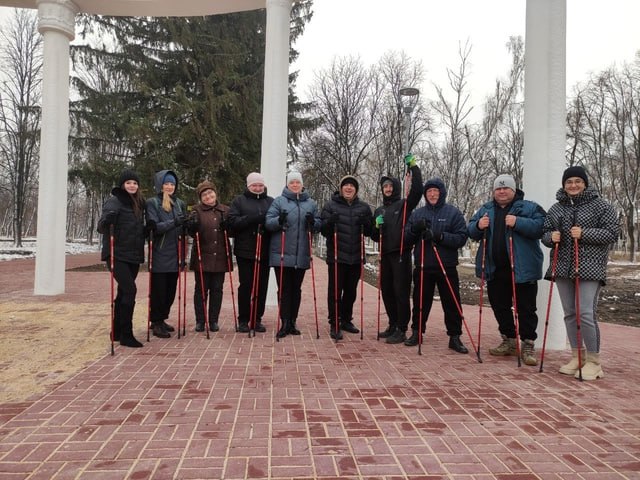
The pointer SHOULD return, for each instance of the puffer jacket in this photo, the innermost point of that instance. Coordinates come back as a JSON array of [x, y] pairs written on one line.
[[600, 229], [296, 236], [246, 213], [211, 238], [353, 218], [526, 238], [128, 232], [393, 210], [449, 231], [165, 240]]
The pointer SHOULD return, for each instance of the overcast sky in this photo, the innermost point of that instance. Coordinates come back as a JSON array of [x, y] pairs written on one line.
[[599, 33]]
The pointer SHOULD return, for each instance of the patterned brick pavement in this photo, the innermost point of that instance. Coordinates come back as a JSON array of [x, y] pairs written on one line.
[[234, 407]]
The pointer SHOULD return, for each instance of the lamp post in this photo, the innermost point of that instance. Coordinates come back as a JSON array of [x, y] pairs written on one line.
[[408, 101]]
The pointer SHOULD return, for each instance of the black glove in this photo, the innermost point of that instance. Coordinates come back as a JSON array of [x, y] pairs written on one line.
[[180, 220], [419, 227], [282, 218], [223, 224], [427, 234], [110, 217], [363, 220], [333, 218], [310, 220], [256, 218], [150, 227], [192, 224]]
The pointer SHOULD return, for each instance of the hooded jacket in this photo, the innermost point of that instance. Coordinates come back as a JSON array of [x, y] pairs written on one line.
[[600, 229], [448, 226], [394, 213], [165, 240], [527, 254], [213, 250], [296, 236], [246, 213], [128, 232], [353, 219]]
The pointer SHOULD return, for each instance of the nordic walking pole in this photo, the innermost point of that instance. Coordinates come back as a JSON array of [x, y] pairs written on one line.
[[150, 270], [255, 285], [379, 278], [554, 262], [577, 289], [184, 283], [280, 285], [455, 300], [313, 284], [514, 296], [484, 256], [335, 279], [229, 267], [179, 282], [202, 291], [407, 181], [112, 282], [421, 301], [362, 281]]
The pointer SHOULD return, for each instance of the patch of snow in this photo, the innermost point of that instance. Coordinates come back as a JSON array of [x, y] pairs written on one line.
[[28, 250]]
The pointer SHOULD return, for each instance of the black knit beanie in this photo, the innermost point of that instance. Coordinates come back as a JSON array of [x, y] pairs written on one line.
[[128, 175], [575, 171]]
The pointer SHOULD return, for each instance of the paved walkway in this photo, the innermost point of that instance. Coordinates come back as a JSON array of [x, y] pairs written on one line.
[[234, 407]]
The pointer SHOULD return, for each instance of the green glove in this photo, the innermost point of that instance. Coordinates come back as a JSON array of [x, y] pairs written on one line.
[[379, 221], [410, 160]]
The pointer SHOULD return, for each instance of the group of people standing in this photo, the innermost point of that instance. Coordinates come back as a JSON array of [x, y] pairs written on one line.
[[277, 233]]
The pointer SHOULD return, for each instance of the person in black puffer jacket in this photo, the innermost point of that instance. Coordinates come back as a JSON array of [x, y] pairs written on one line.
[[124, 210], [581, 217], [437, 227], [344, 219], [395, 270], [246, 220]]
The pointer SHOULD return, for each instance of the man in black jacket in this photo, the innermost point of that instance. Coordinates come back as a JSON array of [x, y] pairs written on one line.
[[438, 229], [395, 270], [246, 223], [345, 218]]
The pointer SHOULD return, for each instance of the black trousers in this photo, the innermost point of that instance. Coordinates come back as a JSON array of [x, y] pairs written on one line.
[[163, 293], [125, 275], [395, 286], [347, 288], [500, 291], [289, 291], [435, 278], [213, 282], [245, 277]]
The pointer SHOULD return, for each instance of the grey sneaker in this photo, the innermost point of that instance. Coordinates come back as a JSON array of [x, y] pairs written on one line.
[[527, 352], [507, 347]]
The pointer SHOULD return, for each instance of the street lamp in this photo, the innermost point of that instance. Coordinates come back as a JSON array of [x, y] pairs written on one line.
[[408, 101]]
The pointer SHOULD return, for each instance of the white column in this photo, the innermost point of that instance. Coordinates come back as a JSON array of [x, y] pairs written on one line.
[[545, 131], [56, 23], [273, 162]]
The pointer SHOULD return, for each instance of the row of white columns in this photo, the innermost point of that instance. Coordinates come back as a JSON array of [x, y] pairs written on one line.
[[545, 92]]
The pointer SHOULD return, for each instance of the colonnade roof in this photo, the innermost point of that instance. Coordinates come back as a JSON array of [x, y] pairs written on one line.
[[158, 8]]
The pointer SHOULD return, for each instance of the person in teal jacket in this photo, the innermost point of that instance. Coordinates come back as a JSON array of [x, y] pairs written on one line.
[[290, 218], [510, 217]]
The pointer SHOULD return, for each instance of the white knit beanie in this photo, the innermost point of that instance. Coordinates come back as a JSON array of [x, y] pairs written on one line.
[[294, 176], [254, 177], [504, 181]]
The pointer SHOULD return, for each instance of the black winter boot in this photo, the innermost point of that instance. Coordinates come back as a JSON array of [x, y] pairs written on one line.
[[388, 332], [126, 324], [413, 340], [284, 329], [456, 344], [397, 337], [292, 328], [333, 333]]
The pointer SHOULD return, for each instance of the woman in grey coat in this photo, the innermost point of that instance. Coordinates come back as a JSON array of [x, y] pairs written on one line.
[[290, 218], [581, 218]]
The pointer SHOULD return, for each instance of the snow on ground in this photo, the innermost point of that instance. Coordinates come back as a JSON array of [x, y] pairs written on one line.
[[10, 252]]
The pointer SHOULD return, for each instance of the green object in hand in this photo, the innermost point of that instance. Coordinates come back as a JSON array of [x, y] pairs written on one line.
[[410, 160], [379, 221]]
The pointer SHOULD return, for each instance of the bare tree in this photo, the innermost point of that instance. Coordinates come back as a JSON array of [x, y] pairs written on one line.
[[21, 60]]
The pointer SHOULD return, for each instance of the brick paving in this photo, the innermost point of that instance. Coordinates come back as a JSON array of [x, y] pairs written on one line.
[[235, 407]]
